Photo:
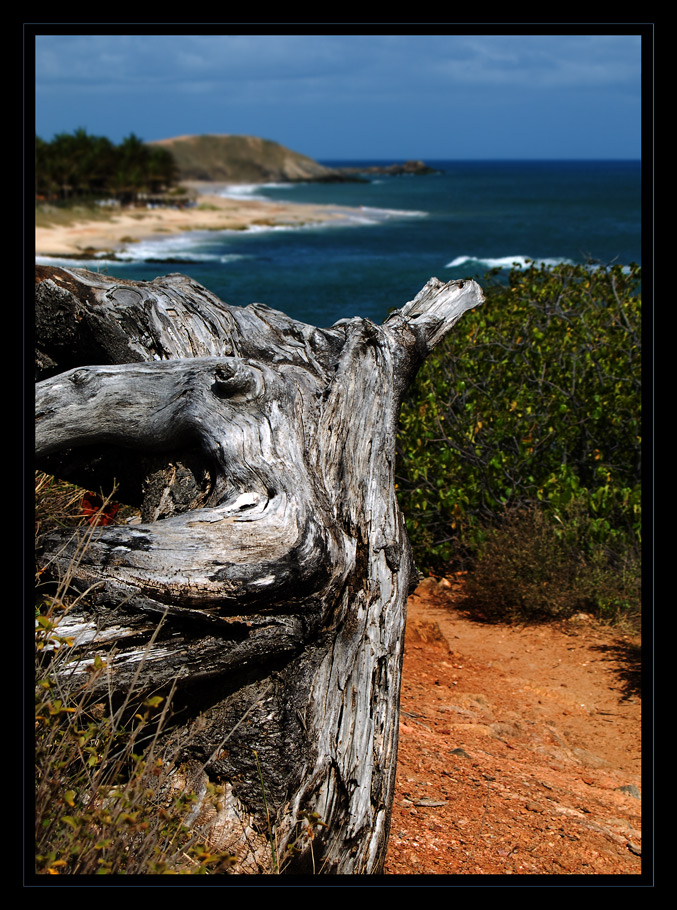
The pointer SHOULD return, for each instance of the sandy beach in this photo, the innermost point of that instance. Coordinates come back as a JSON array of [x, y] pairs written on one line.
[[210, 212]]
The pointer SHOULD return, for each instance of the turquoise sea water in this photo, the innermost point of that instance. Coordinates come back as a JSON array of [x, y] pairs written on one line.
[[460, 222]]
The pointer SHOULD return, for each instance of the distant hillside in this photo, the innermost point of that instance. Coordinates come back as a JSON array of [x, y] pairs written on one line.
[[243, 159]]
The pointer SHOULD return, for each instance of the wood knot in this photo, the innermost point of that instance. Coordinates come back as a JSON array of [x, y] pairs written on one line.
[[80, 377], [231, 380]]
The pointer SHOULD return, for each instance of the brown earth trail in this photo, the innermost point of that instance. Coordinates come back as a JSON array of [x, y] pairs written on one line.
[[520, 747]]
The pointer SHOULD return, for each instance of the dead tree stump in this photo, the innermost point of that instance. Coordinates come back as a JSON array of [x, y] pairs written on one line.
[[271, 552]]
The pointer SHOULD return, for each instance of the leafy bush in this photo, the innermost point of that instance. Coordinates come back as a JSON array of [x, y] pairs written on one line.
[[534, 399]]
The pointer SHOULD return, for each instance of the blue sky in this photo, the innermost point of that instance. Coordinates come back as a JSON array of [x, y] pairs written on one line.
[[331, 96]]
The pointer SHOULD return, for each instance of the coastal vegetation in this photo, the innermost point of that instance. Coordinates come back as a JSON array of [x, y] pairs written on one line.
[[77, 167], [521, 446]]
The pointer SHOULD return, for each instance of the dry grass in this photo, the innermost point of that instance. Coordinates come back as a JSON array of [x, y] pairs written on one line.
[[532, 569], [105, 797], [63, 216]]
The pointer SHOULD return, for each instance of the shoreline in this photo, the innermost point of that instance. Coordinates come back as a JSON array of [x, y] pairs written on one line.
[[89, 239]]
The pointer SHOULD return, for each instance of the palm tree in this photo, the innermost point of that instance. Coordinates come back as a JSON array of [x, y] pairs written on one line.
[[132, 167], [77, 165]]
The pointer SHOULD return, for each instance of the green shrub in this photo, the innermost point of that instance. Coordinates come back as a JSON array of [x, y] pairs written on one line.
[[534, 398]]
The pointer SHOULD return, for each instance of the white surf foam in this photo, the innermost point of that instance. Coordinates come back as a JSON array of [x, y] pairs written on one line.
[[377, 214], [505, 262], [248, 190]]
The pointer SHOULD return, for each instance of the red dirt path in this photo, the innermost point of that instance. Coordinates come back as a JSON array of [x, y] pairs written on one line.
[[519, 746]]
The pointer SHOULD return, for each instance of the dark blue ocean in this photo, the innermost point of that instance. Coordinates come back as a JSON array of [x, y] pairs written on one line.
[[470, 217]]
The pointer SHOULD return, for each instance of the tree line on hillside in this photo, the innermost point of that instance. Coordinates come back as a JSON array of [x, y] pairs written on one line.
[[77, 166]]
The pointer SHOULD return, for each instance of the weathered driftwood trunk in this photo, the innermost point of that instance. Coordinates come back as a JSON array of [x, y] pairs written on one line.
[[261, 452]]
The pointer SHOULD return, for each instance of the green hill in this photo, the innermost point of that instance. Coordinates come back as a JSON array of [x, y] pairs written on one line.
[[243, 159]]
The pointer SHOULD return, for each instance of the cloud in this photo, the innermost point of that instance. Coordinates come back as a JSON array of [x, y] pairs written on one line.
[[335, 63], [584, 61], [340, 95]]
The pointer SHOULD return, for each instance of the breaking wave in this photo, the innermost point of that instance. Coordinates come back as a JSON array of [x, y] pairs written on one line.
[[505, 262]]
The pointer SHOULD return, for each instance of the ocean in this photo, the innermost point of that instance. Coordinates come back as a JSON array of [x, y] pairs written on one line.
[[465, 219]]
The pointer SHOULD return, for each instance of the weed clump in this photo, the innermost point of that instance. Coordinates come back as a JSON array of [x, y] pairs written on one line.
[[106, 793], [533, 568]]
